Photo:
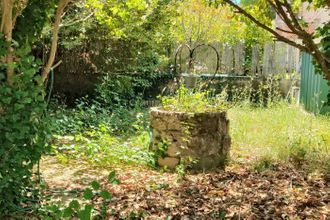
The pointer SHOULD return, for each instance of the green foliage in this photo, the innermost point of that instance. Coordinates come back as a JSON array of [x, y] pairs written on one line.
[[160, 148], [84, 116], [102, 137], [78, 27], [263, 92], [140, 19], [38, 13], [207, 22], [317, 3], [87, 117], [104, 149], [185, 165], [190, 100], [23, 130], [263, 163], [119, 90], [251, 33], [116, 91], [112, 178], [128, 36]]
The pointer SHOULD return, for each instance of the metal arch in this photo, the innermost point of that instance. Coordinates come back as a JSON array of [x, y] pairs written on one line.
[[179, 49], [191, 59], [191, 54], [216, 52]]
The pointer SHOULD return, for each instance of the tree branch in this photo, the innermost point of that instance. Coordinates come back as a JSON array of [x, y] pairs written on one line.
[[77, 21], [308, 45], [285, 31], [284, 16], [265, 27], [288, 7]]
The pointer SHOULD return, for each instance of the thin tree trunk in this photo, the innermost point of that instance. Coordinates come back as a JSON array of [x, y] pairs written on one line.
[[55, 29], [7, 29]]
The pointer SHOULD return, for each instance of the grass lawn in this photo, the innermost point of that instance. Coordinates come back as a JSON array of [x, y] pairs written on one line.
[[282, 133]]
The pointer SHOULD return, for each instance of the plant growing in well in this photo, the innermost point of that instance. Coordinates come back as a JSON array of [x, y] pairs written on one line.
[[194, 101]]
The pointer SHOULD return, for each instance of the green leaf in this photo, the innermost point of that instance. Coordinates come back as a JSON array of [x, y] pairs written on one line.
[[18, 106], [67, 212], [86, 213], [88, 194], [74, 204], [115, 182], [96, 185], [106, 195], [112, 176]]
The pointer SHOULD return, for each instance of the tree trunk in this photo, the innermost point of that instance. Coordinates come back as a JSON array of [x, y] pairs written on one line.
[[55, 29], [7, 29], [323, 64]]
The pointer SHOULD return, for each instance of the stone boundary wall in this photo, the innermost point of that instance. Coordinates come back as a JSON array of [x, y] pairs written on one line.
[[179, 137]]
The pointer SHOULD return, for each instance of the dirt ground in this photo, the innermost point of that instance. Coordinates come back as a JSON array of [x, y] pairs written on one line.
[[236, 193]]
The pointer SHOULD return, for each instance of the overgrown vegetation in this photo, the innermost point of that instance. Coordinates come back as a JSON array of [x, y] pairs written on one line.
[[190, 100]]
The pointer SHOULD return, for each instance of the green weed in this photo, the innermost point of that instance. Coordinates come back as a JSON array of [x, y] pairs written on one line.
[[194, 100]]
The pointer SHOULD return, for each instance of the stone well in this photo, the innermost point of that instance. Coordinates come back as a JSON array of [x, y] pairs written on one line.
[[182, 137]]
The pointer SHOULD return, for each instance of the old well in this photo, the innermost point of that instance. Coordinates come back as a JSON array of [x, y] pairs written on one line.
[[200, 140]]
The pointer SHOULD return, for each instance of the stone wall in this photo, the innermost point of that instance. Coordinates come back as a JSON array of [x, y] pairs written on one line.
[[178, 137]]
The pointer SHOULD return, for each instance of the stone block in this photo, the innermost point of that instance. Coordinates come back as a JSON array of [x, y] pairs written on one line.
[[170, 162], [173, 150]]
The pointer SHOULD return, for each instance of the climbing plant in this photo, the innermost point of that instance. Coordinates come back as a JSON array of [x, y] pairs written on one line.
[[23, 125], [23, 130]]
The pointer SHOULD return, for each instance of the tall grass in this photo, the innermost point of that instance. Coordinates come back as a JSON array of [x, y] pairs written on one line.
[[281, 132]]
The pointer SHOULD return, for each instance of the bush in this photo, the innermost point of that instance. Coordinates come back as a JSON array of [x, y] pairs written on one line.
[[120, 120], [118, 90]]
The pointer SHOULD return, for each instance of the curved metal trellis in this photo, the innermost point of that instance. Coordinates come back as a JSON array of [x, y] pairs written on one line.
[[191, 58]]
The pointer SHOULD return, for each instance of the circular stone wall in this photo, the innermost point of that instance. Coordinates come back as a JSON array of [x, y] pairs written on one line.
[[200, 140]]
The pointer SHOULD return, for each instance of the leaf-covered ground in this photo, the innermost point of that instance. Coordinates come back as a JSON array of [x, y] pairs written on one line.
[[236, 193]]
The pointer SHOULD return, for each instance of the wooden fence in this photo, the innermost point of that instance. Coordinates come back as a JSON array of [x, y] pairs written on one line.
[[267, 59]]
